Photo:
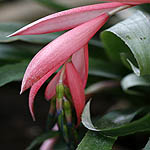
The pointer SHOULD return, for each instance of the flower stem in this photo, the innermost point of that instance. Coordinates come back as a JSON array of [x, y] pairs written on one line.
[[62, 74], [63, 70]]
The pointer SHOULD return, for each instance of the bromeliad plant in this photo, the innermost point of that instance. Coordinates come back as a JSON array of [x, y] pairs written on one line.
[[69, 54], [69, 50]]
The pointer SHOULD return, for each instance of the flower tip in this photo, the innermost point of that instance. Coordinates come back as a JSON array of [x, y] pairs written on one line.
[[24, 87], [32, 114], [47, 98], [33, 117], [11, 35], [22, 90]]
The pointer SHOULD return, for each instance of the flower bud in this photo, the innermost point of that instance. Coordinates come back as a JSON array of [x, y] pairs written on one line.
[[59, 91], [65, 133], [68, 113], [61, 119], [59, 97], [59, 105], [67, 93]]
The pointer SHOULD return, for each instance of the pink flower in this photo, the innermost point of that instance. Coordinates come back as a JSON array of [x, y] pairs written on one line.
[[85, 21], [134, 2]]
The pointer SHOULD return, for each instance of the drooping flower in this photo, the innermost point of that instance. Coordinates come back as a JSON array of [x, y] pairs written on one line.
[[50, 58], [85, 21], [67, 19], [134, 2]]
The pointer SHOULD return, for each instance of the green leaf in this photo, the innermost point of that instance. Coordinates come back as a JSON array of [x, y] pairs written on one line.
[[102, 68], [147, 147], [144, 7], [39, 140], [101, 86], [96, 141], [52, 4], [118, 122], [13, 72], [8, 28], [118, 117], [133, 80], [131, 34], [17, 51]]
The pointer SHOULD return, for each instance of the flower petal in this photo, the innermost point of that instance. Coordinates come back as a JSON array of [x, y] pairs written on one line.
[[129, 1], [80, 61], [76, 89], [66, 19], [36, 87], [51, 87], [60, 50]]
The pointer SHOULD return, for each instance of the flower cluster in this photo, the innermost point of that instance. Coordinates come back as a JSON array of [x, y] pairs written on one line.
[[70, 50]]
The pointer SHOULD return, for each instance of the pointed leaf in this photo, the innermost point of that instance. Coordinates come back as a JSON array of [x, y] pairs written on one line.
[[76, 88], [86, 118], [58, 51], [66, 19]]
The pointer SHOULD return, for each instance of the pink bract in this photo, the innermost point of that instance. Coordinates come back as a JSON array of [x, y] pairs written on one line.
[[85, 21], [66, 19], [76, 89], [134, 2], [60, 50]]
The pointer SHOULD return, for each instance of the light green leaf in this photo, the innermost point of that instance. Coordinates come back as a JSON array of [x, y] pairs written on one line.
[[115, 118], [131, 34], [133, 80], [147, 147], [117, 123], [86, 118], [12, 72], [96, 141]]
